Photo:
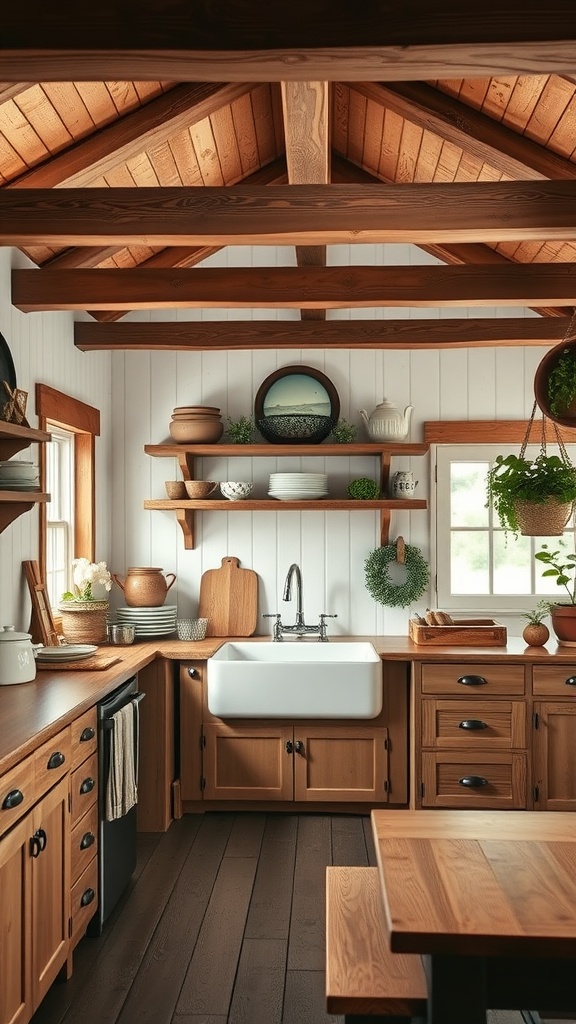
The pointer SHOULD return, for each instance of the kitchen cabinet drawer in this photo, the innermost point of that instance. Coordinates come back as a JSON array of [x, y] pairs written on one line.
[[52, 761], [17, 793], [485, 725], [84, 787], [554, 680], [84, 737], [472, 679], [490, 780], [84, 902], [84, 842]]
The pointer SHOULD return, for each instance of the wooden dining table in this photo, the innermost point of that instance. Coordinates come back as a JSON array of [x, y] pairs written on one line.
[[488, 899]]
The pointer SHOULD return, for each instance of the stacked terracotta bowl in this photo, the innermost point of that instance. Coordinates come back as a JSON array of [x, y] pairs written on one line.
[[196, 424]]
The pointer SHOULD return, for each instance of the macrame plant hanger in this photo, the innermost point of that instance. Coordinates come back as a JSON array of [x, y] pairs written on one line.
[[550, 518]]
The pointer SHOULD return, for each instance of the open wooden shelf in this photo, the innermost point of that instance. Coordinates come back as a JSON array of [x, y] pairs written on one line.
[[15, 438]]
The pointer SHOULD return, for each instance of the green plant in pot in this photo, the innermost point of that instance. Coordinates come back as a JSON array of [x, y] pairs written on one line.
[[533, 497], [562, 383], [561, 567]]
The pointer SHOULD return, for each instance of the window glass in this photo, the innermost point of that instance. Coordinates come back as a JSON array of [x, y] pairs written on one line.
[[59, 513]]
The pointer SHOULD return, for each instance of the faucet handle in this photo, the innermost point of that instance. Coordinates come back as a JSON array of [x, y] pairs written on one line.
[[322, 627], [277, 627]]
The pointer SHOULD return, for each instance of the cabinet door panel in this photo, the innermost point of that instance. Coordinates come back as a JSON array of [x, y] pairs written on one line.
[[340, 764], [492, 780], [15, 926], [50, 889], [192, 685], [554, 762], [485, 725], [244, 763]]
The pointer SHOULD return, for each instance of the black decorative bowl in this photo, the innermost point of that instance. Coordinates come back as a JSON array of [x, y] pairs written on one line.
[[295, 428]]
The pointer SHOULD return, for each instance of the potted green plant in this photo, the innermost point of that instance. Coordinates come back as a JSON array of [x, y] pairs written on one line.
[[561, 567], [536, 632], [555, 383], [240, 431], [533, 497]]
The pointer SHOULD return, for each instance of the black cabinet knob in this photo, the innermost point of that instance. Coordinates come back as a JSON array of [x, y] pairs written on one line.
[[192, 672], [87, 734], [571, 681], [38, 842], [88, 839], [56, 759], [87, 786], [472, 724], [472, 681], [300, 748], [87, 897], [473, 781], [289, 747], [12, 799]]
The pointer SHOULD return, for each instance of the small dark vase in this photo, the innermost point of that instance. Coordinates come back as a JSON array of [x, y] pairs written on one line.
[[563, 618]]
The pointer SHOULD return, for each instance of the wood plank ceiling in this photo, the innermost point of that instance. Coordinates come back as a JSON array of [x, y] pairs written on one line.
[[459, 136]]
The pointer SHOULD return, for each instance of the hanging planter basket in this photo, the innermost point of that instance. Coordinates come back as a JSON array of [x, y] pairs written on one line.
[[543, 519], [555, 380], [84, 622]]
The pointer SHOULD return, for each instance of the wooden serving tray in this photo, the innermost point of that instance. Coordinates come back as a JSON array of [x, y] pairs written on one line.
[[464, 633]]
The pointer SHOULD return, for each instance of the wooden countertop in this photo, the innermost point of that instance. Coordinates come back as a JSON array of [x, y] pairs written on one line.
[[33, 712]]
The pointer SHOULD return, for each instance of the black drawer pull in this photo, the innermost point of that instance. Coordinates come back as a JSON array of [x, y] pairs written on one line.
[[571, 681], [88, 839], [289, 747], [472, 681], [87, 786], [38, 842], [300, 748], [56, 759], [12, 799], [87, 734], [87, 897], [473, 781], [472, 723]]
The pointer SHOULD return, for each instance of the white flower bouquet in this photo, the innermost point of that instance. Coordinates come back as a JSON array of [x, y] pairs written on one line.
[[85, 575]]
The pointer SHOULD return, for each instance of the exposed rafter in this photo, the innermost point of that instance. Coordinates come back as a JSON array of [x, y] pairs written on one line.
[[295, 287], [206, 336]]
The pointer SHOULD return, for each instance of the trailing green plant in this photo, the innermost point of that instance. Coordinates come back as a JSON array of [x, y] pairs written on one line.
[[561, 568], [363, 489], [562, 383], [343, 432], [514, 478], [240, 431]]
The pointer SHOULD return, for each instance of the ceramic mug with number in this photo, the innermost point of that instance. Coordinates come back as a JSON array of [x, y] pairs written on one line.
[[403, 484]]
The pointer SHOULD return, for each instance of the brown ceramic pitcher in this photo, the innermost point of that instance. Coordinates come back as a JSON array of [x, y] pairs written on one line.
[[145, 587]]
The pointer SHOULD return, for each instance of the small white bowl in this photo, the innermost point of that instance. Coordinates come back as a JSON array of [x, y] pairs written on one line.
[[235, 490]]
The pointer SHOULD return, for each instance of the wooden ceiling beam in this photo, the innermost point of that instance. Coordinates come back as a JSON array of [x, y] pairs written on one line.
[[305, 106], [202, 336], [481, 136], [10, 90], [295, 287], [290, 39], [291, 214], [172, 112]]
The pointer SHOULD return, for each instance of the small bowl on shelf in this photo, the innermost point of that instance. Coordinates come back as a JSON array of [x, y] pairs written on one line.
[[202, 431], [236, 490], [199, 488], [175, 489]]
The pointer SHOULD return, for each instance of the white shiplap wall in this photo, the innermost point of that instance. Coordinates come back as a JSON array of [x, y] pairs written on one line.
[[330, 547], [42, 349]]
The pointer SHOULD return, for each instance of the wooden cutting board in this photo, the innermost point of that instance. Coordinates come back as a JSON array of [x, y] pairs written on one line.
[[229, 599]]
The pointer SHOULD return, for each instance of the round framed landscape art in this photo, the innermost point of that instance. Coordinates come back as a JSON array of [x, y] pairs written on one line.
[[296, 405]]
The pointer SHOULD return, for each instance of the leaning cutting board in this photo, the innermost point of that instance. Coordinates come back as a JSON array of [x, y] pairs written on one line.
[[229, 599]]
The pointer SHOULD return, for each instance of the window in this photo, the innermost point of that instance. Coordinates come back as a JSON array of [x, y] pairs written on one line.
[[59, 513], [67, 523], [478, 566]]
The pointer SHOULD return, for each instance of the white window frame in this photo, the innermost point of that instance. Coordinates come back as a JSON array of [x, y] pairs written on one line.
[[441, 457], [61, 525]]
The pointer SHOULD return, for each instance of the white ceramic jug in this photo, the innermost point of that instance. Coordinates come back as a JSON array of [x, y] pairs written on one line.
[[403, 484], [387, 423]]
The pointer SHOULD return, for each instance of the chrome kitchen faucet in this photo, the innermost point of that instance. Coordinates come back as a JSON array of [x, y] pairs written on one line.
[[299, 629]]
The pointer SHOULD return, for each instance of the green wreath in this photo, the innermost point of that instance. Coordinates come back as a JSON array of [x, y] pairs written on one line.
[[383, 589]]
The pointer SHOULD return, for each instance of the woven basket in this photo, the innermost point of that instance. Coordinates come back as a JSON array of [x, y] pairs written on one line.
[[543, 519], [84, 622]]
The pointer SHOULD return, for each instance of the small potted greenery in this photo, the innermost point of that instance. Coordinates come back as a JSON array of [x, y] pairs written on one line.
[[561, 567], [363, 489], [555, 383], [240, 431], [533, 497], [536, 632], [343, 432]]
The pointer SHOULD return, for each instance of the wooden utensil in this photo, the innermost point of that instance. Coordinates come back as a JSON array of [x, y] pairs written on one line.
[[229, 599], [42, 626]]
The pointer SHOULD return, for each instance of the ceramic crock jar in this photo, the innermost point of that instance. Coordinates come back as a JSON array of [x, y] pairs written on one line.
[[17, 661], [145, 587]]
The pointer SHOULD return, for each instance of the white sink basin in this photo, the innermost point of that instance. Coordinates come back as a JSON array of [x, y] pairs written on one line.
[[295, 680]]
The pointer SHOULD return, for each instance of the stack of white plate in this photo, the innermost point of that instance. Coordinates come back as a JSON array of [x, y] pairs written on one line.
[[17, 475], [149, 622], [298, 486], [68, 652]]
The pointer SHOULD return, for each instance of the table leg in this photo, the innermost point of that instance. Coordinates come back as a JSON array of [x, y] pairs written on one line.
[[456, 989]]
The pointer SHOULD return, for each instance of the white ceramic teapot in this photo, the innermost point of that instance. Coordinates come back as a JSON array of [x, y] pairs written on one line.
[[403, 484], [387, 423]]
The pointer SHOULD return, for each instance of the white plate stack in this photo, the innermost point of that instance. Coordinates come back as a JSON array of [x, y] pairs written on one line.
[[298, 486], [67, 652], [17, 475], [149, 622]]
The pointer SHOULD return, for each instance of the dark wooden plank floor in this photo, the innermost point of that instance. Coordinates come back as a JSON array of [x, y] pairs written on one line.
[[223, 923]]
